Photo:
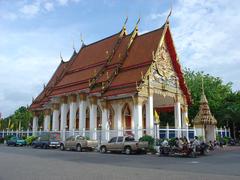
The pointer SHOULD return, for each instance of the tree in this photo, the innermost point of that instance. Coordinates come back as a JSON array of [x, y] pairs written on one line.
[[20, 119], [216, 92]]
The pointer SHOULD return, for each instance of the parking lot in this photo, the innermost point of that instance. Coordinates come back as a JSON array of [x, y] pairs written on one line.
[[27, 163]]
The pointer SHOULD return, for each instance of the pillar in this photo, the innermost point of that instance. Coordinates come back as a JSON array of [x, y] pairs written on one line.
[[177, 115], [35, 123], [105, 117], [118, 119], [82, 111], [64, 110], [93, 117], [73, 111], [149, 116], [138, 117], [185, 121], [47, 118], [55, 123]]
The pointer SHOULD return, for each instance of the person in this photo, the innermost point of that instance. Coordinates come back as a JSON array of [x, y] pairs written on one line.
[[165, 143], [185, 140], [179, 143], [195, 143]]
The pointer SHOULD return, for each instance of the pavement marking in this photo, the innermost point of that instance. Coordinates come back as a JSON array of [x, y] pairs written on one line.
[[194, 162]]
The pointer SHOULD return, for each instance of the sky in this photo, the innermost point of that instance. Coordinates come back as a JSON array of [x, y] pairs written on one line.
[[33, 33]]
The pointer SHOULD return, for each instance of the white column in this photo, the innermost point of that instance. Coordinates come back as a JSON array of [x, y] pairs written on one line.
[[73, 111], [149, 116], [105, 125], [64, 109], [138, 120], [118, 119], [47, 119], [177, 114], [55, 123], [93, 117], [184, 123], [82, 112], [167, 131], [35, 124]]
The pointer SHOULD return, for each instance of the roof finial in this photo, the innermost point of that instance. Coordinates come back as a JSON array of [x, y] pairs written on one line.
[[124, 29], [170, 13], [136, 26], [61, 56], [74, 47], [81, 37]]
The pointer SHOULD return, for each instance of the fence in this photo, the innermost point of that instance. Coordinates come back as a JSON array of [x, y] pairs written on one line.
[[105, 135]]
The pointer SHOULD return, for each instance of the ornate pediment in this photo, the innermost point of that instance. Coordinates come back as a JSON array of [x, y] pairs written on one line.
[[163, 71]]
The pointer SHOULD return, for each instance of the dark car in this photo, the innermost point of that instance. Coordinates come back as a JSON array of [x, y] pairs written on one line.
[[47, 140], [16, 141]]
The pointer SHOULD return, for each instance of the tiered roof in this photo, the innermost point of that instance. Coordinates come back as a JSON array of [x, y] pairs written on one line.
[[110, 67], [204, 116]]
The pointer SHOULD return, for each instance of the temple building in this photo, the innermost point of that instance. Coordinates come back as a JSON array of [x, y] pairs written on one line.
[[115, 84], [204, 121]]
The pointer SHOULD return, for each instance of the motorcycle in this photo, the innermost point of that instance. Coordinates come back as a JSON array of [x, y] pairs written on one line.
[[168, 150]]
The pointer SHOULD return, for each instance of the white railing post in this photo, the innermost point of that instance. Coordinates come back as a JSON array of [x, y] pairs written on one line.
[[167, 131], [84, 132], [229, 132], [27, 132], [187, 134], [3, 133], [194, 131], [225, 130], [221, 130], [12, 132]]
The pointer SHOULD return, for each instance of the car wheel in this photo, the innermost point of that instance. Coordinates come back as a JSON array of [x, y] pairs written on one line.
[[62, 147], [103, 149], [128, 150], [79, 148]]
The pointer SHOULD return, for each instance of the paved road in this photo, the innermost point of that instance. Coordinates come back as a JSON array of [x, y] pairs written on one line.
[[23, 163]]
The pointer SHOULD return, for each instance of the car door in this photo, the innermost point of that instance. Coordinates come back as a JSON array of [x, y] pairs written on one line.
[[119, 144], [112, 144], [68, 142]]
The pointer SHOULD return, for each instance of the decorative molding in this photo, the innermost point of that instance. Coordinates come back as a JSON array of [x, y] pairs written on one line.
[[82, 97], [47, 112], [55, 106], [63, 99], [72, 98]]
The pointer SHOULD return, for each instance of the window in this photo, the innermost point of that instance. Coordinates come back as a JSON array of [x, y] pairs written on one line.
[[113, 140], [129, 139], [120, 139], [80, 138], [69, 138]]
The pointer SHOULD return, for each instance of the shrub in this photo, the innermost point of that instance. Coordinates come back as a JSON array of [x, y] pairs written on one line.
[[30, 139], [8, 137], [87, 137], [149, 139], [1, 140]]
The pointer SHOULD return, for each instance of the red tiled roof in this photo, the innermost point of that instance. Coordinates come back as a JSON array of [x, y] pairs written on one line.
[[108, 56]]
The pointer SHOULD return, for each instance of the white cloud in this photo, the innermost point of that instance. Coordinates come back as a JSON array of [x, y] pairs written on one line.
[[30, 9], [49, 6], [206, 35]]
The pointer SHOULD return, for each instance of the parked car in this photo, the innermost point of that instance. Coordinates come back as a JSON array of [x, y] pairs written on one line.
[[125, 144], [78, 143], [47, 140], [16, 141]]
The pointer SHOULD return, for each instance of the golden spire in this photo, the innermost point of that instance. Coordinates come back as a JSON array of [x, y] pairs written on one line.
[[134, 33], [169, 14], [124, 29]]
